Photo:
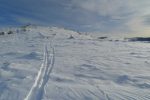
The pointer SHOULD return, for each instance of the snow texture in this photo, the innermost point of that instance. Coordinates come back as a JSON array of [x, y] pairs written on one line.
[[50, 63]]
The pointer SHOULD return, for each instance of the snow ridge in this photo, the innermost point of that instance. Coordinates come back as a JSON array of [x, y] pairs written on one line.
[[37, 90]]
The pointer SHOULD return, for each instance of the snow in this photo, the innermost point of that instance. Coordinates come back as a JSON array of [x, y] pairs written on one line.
[[44, 63]]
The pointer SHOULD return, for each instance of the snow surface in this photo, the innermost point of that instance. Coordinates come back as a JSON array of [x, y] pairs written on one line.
[[50, 63]]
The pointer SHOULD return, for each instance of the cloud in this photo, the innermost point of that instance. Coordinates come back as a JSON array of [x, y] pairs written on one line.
[[103, 7], [104, 15], [84, 15], [147, 20]]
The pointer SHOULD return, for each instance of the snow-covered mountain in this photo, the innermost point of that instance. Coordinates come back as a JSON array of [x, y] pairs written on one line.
[[50, 63]]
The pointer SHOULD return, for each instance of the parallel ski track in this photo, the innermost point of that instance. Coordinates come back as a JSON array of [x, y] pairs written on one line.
[[38, 89]]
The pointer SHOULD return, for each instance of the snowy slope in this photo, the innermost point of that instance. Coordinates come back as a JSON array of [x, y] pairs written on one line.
[[50, 63]]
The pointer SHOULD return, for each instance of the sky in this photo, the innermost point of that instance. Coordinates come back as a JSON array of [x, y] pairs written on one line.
[[106, 16]]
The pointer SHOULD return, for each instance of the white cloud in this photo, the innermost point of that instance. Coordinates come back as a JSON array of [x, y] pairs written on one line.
[[86, 15], [104, 7], [128, 13]]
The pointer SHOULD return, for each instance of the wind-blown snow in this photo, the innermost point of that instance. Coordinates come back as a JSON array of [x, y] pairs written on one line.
[[74, 66]]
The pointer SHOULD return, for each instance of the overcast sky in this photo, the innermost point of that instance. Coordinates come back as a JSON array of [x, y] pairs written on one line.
[[83, 15]]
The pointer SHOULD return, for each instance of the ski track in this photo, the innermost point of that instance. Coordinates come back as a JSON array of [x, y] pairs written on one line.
[[38, 89]]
